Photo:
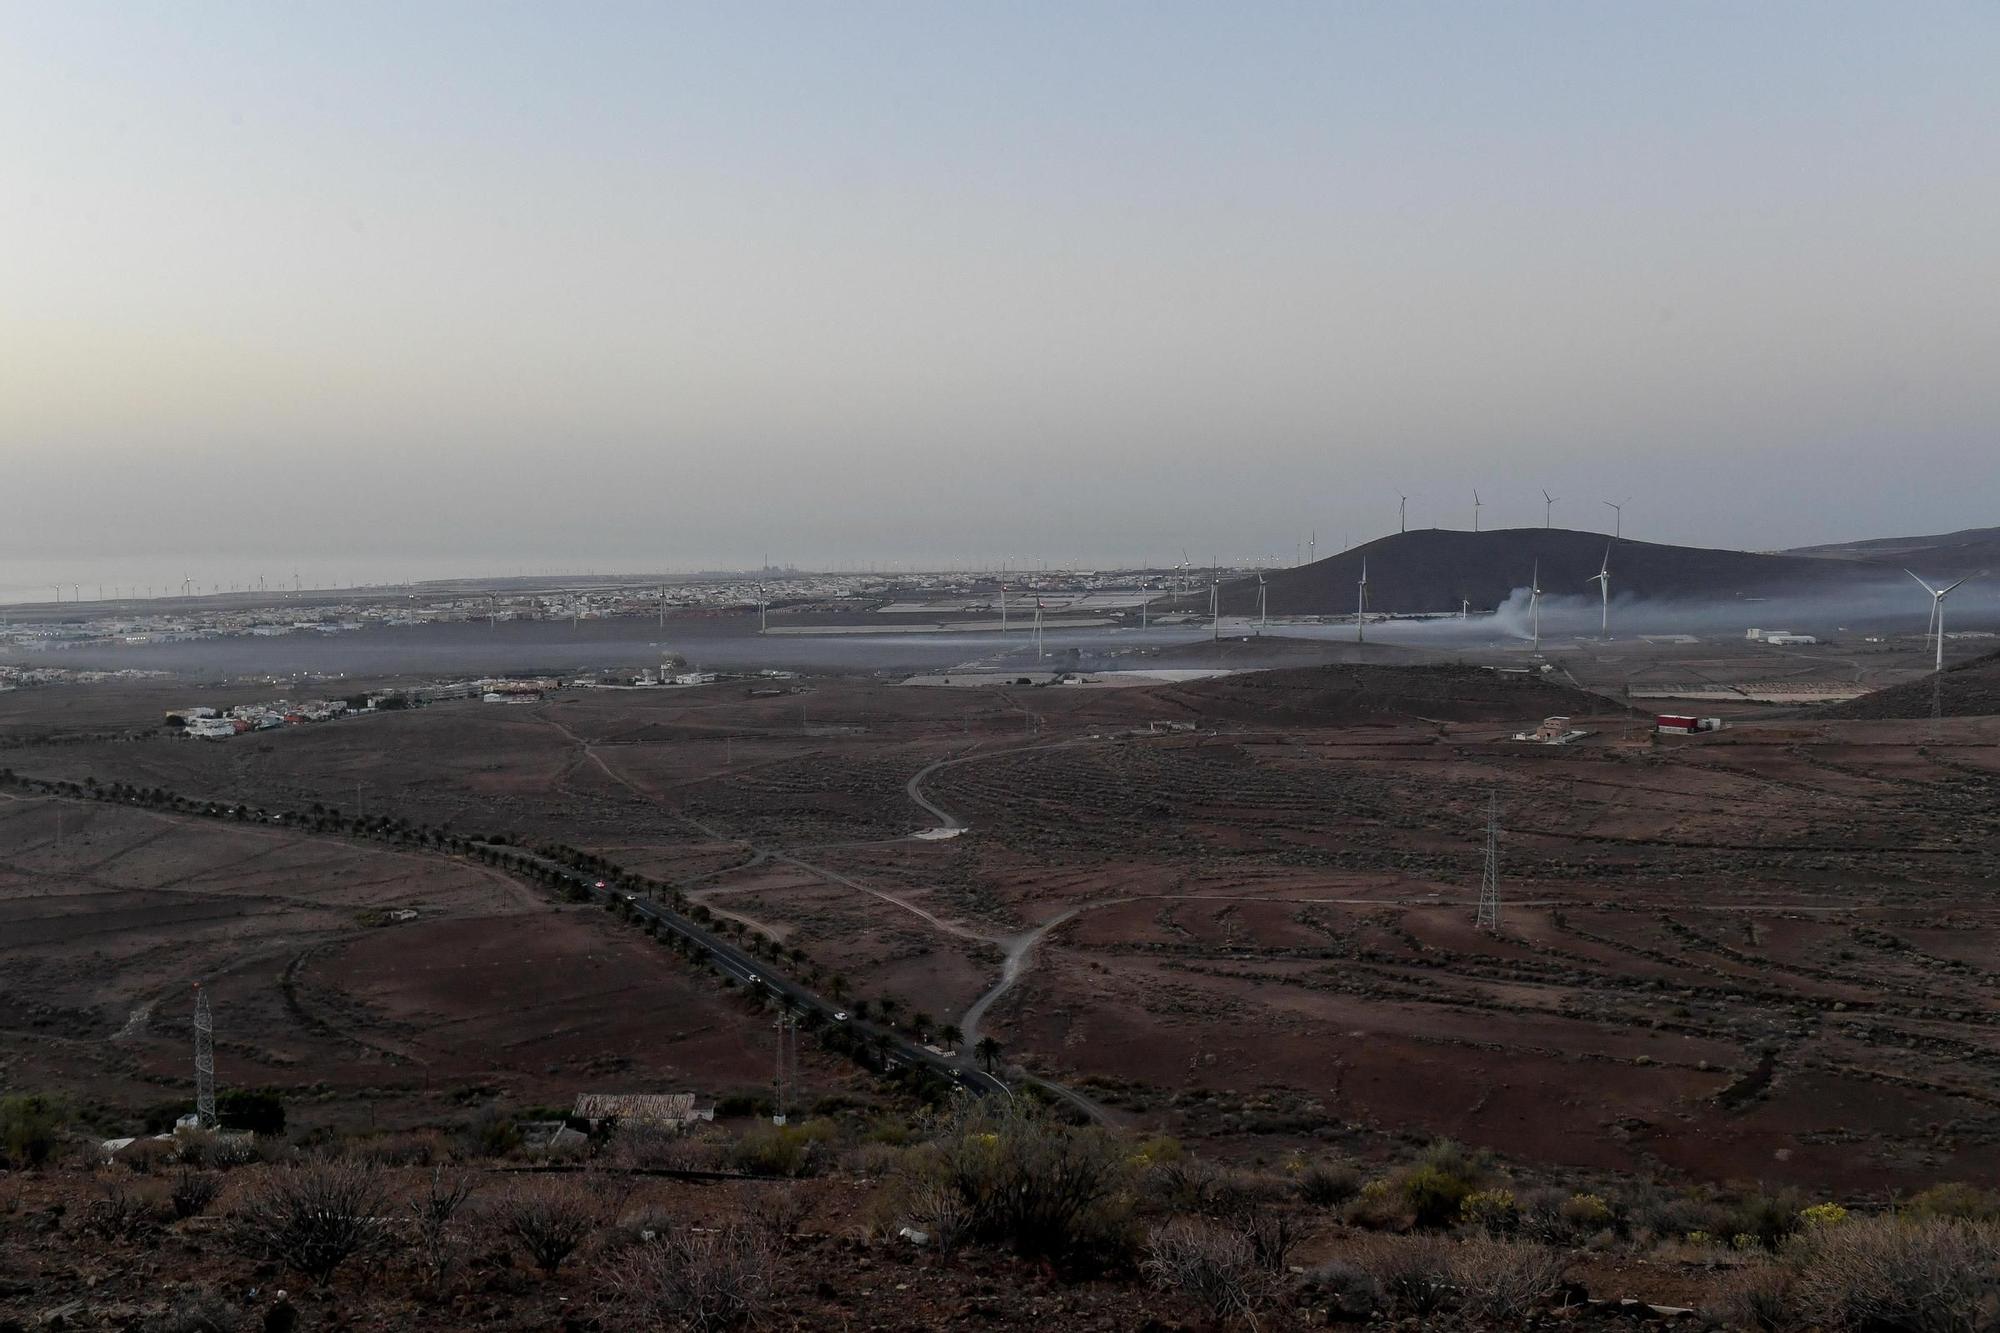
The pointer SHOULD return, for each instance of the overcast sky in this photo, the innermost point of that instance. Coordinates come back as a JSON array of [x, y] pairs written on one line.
[[604, 285]]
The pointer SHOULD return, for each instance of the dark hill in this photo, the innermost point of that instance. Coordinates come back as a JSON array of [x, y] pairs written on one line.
[[1967, 689], [1334, 695], [1433, 569], [1943, 555]]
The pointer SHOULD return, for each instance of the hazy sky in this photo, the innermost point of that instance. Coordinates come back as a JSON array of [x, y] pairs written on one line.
[[599, 285]]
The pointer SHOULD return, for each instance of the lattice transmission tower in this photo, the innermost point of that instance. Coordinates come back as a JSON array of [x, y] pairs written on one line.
[[1489, 879], [204, 1060], [788, 1066]]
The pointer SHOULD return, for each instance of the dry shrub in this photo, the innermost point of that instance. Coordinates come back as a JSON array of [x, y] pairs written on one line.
[[1915, 1275], [193, 1192], [656, 1148], [1506, 1280], [550, 1217], [1757, 1298], [1045, 1188], [780, 1214], [122, 1210], [1273, 1232], [399, 1149], [1414, 1272], [1351, 1291], [1216, 1266], [312, 1217], [1328, 1184], [1183, 1184], [705, 1281], [434, 1220], [1379, 1206], [934, 1206], [785, 1150], [1956, 1199], [196, 1310], [149, 1156], [212, 1148]]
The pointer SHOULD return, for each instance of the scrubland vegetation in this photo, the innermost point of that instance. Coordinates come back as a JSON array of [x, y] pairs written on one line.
[[811, 1224]]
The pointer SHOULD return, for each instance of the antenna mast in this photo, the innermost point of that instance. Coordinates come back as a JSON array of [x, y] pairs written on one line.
[[204, 1060], [1489, 879]]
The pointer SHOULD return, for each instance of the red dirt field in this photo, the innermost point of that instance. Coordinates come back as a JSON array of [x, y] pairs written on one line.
[[489, 992], [1760, 954]]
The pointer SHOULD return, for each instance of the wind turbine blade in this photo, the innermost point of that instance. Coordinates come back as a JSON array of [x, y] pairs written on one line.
[[1942, 591], [1921, 584]]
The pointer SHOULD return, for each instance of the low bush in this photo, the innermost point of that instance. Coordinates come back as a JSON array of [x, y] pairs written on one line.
[[785, 1150], [122, 1210], [1216, 1266], [1434, 1195], [550, 1217], [1326, 1184], [1923, 1275], [197, 1310], [312, 1218], [1757, 1298], [192, 1192], [31, 1128], [1506, 1280], [1414, 1273], [1350, 1291], [1022, 1179], [1956, 1199], [706, 1282], [1492, 1211], [434, 1225]]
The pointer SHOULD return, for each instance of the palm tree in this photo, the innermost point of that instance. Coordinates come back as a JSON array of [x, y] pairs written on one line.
[[989, 1051], [950, 1035]]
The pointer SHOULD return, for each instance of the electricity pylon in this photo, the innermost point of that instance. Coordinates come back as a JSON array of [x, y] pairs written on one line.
[[204, 1060], [1489, 880]]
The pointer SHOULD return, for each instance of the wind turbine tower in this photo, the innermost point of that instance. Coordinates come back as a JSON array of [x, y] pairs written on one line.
[[1618, 517], [204, 1061], [1361, 603], [1535, 605], [1215, 608], [763, 605], [1403, 513], [1488, 918], [1039, 654], [1263, 605], [1937, 612], [1548, 509], [1602, 578]]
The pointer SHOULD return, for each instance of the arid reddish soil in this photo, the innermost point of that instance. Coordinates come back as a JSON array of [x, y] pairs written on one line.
[[1762, 954]]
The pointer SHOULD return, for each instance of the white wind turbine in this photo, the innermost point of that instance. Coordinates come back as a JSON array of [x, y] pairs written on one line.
[[1548, 509], [1361, 602], [1263, 605], [1402, 512], [1475, 509], [1535, 605], [1937, 612], [1602, 578]]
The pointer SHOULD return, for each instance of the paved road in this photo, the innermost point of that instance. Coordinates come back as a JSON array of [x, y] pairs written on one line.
[[752, 971]]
